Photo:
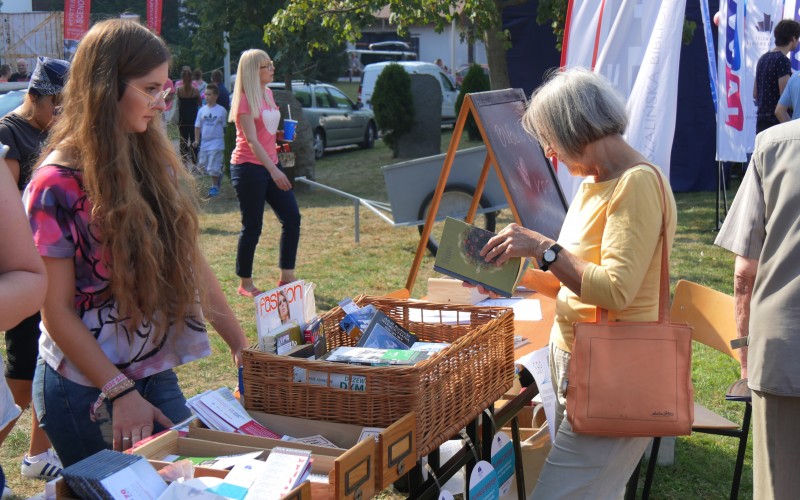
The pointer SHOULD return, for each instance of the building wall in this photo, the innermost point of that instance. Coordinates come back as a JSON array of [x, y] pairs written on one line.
[[31, 34], [13, 6], [445, 45], [434, 45]]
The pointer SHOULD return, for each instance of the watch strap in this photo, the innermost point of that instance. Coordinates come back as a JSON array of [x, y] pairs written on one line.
[[556, 248]]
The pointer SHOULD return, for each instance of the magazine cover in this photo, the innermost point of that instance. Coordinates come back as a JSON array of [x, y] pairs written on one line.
[[281, 306]]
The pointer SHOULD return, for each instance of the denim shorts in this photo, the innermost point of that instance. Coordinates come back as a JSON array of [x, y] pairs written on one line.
[[63, 410]]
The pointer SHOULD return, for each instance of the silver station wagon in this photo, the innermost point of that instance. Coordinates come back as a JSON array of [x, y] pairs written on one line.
[[334, 119]]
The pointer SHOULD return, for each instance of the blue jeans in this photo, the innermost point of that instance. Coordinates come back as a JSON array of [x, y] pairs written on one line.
[[63, 410], [254, 186]]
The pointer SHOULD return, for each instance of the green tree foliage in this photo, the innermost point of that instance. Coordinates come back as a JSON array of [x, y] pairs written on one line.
[[244, 21], [393, 104], [474, 81], [554, 14], [345, 19]]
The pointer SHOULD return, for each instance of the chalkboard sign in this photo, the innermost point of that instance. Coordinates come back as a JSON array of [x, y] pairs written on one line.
[[528, 176]]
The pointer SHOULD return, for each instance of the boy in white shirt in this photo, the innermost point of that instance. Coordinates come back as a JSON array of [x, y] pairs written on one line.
[[209, 132]]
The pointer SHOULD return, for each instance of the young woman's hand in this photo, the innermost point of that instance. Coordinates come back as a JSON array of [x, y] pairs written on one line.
[[280, 179], [238, 360], [133, 420]]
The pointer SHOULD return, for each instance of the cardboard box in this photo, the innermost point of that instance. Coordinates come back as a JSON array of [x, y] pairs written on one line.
[[172, 443]]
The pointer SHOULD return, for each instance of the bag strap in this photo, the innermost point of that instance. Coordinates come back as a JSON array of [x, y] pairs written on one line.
[[601, 314]]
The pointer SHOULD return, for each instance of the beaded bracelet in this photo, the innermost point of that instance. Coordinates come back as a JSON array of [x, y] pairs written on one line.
[[122, 386]]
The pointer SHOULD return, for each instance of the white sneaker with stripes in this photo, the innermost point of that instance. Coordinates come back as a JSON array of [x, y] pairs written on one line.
[[43, 466]]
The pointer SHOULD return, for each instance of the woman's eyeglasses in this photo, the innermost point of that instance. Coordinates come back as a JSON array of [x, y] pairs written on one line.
[[154, 98], [269, 66]]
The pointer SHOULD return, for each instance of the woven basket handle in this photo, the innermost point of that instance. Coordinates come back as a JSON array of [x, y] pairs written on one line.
[[601, 314]]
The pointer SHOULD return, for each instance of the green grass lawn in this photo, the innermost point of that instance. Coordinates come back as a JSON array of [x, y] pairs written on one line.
[[380, 263]]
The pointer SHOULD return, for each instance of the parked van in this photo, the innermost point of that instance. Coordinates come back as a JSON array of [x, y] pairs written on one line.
[[449, 90]]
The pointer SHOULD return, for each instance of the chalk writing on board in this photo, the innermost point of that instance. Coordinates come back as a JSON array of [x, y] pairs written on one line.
[[508, 134], [529, 178]]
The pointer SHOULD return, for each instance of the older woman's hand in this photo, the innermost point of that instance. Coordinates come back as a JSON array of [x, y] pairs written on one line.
[[514, 241]]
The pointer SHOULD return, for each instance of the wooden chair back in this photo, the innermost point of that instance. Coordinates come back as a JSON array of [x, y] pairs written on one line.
[[708, 312]]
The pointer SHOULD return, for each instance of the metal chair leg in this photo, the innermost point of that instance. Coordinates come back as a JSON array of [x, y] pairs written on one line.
[[633, 482], [737, 471], [651, 468], [519, 467]]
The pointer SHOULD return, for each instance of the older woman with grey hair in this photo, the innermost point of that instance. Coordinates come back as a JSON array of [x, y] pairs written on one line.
[[608, 255]]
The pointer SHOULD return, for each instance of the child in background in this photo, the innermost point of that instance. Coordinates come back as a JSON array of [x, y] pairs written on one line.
[[209, 132]]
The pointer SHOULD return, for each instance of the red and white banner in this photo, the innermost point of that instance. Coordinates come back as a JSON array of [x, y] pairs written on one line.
[[154, 15], [76, 18], [743, 38], [636, 45]]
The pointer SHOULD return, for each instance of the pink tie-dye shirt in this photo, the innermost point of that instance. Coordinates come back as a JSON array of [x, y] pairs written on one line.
[[60, 216]]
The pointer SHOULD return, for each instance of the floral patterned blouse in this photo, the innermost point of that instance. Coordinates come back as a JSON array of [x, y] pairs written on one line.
[[59, 212]]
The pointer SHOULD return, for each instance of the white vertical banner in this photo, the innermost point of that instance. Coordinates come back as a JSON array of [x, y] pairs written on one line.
[[648, 73], [759, 21], [584, 33], [636, 45], [731, 135]]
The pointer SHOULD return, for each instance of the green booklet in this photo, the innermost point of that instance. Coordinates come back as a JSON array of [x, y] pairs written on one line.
[[459, 257]]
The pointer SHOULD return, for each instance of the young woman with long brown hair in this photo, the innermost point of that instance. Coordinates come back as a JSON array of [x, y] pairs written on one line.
[[113, 214]]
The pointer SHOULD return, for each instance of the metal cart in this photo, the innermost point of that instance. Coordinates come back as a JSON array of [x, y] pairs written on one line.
[[411, 184]]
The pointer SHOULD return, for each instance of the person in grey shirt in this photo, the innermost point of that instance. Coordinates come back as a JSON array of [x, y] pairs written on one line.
[[762, 230]]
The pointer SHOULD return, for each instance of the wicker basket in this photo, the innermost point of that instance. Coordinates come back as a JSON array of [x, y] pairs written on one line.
[[446, 391]]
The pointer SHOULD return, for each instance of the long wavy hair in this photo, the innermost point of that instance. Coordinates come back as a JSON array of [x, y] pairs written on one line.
[[143, 200], [248, 82]]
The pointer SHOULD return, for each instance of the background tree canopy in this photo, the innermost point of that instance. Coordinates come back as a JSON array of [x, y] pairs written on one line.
[[307, 38], [345, 19]]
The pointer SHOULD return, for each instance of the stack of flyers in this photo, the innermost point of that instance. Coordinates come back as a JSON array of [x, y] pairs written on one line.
[[220, 411], [285, 469], [316, 440]]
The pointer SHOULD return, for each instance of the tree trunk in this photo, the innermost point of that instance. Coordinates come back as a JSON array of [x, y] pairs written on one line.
[[495, 41]]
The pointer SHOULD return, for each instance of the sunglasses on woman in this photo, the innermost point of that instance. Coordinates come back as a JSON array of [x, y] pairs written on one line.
[[154, 98]]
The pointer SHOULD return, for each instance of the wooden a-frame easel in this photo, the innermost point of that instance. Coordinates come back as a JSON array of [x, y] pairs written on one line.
[[468, 108]]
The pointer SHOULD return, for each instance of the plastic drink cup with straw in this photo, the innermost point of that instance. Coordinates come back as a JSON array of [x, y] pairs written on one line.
[[289, 126]]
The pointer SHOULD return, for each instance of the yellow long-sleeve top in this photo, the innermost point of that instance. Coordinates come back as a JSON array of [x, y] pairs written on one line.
[[615, 225]]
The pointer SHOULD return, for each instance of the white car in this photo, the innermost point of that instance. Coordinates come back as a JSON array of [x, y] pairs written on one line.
[[449, 90], [12, 94]]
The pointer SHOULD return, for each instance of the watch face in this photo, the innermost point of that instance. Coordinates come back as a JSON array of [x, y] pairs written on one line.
[[549, 255]]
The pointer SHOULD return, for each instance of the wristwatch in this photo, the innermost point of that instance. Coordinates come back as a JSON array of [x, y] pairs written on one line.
[[550, 255]]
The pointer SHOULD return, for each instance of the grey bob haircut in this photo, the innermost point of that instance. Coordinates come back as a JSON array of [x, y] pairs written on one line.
[[574, 108]]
